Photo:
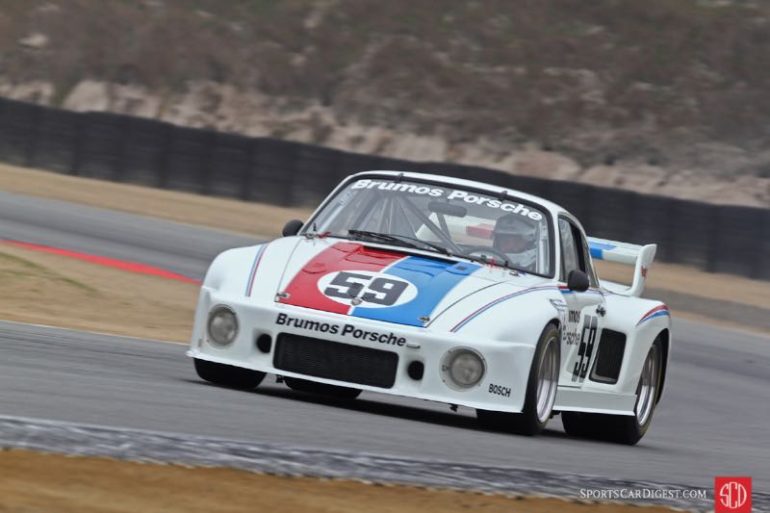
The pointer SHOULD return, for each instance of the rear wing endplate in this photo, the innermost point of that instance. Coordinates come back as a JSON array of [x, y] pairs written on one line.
[[640, 257]]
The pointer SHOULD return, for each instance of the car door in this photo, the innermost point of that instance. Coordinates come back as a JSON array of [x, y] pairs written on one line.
[[582, 322]]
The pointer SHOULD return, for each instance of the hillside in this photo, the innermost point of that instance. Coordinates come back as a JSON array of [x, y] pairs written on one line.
[[665, 96]]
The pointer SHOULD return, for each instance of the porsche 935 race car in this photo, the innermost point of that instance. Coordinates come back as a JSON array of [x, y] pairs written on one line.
[[446, 290]]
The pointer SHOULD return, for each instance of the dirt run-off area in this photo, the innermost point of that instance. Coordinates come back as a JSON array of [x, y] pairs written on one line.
[[34, 482], [40, 288]]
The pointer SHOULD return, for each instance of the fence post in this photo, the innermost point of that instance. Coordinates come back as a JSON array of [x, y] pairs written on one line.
[[165, 156], [761, 267], [77, 154], [36, 116]]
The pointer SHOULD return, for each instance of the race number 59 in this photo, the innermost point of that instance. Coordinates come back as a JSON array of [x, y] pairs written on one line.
[[373, 289], [586, 349]]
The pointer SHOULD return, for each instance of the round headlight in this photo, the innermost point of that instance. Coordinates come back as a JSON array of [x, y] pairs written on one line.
[[223, 325], [465, 368]]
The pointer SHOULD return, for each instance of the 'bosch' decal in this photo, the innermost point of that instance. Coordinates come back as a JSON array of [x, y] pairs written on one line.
[[499, 390]]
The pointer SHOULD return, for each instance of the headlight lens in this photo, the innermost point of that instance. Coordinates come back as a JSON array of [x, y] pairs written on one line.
[[223, 325], [466, 368]]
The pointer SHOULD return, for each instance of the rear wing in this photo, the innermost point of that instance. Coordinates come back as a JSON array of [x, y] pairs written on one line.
[[640, 257]]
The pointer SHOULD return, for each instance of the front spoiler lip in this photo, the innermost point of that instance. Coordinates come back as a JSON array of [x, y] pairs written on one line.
[[565, 398], [459, 401]]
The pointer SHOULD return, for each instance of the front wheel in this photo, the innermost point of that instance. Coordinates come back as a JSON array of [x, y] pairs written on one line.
[[228, 375], [541, 391], [624, 429], [311, 387]]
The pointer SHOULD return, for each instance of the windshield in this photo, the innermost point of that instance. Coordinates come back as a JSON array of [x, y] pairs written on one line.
[[442, 219]]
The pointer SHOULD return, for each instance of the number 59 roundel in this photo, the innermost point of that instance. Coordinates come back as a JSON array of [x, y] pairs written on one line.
[[368, 289]]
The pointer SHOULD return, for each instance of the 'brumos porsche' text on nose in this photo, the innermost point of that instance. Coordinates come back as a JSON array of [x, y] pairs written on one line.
[[346, 330]]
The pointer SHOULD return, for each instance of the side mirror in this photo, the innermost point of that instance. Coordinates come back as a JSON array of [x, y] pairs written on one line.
[[292, 228], [577, 280]]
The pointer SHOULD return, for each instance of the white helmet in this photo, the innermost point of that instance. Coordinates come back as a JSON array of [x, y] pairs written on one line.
[[515, 236]]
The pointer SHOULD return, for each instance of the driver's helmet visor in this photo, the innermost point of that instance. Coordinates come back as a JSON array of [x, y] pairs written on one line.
[[512, 242]]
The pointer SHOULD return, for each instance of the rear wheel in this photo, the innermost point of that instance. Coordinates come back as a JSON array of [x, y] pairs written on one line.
[[541, 391], [228, 375], [311, 387], [625, 429]]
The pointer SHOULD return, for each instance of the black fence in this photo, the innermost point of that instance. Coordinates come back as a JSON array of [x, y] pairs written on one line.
[[729, 239]]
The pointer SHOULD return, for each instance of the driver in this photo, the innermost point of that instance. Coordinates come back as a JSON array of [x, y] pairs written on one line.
[[516, 237]]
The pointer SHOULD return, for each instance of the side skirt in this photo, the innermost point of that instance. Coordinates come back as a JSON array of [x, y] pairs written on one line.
[[573, 399]]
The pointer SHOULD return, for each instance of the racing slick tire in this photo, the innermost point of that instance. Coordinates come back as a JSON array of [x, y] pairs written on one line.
[[228, 375], [541, 391], [623, 429], [311, 387]]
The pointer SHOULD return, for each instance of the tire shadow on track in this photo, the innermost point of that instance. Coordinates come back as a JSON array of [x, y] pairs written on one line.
[[463, 419], [405, 412]]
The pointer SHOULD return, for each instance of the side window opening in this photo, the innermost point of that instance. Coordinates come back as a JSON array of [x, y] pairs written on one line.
[[570, 255], [575, 253], [585, 259], [577, 236]]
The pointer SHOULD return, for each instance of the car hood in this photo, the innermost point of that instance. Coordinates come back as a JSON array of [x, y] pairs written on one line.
[[378, 282]]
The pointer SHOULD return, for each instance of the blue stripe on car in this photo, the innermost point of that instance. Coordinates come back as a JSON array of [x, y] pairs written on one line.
[[660, 313], [597, 249], [433, 279]]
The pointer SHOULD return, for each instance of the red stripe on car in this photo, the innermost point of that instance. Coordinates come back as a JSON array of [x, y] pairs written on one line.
[[343, 256]]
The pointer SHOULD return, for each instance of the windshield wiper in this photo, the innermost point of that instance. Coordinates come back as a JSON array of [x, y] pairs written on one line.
[[410, 242], [432, 245], [384, 237], [488, 261], [403, 240]]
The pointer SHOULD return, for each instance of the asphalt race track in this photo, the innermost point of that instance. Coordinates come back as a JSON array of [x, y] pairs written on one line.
[[714, 418], [177, 247]]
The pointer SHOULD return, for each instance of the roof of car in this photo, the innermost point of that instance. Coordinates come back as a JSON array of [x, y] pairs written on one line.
[[448, 180]]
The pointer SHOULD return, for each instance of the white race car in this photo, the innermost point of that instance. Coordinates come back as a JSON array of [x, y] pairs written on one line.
[[442, 289]]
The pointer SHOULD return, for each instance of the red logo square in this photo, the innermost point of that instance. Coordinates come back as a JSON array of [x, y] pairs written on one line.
[[732, 494]]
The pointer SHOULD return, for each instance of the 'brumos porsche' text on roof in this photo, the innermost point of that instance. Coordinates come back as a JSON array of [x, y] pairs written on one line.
[[435, 192]]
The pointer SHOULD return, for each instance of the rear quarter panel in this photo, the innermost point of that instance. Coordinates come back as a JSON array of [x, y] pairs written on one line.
[[631, 315]]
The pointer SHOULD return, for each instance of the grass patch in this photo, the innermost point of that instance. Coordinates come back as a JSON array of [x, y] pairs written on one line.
[[48, 289], [18, 269]]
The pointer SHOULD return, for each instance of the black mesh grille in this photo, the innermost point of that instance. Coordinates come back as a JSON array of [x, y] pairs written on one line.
[[610, 357], [332, 360]]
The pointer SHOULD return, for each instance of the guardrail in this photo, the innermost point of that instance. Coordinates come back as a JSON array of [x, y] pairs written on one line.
[[730, 239]]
